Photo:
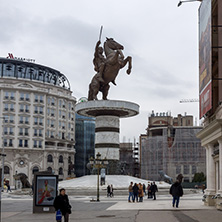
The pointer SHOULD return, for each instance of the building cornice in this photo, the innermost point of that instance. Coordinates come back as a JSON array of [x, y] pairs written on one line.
[[211, 133]]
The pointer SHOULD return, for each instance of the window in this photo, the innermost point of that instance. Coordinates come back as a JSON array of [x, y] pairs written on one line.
[[6, 170], [60, 159], [21, 108], [22, 96], [194, 169], [35, 143], [186, 169], [20, 143], [41, 99], [60, 171], [50, 158], [26, 143], [35, 169], [27, 97], [178, 169], [70, 159], [49, 169]]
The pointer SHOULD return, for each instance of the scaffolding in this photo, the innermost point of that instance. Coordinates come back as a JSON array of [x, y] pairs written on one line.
[[174, 150]]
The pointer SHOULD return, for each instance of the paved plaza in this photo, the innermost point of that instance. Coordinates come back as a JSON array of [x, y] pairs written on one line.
[[191, 209]]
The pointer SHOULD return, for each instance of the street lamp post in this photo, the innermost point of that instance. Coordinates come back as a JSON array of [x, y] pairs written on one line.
[[3, 163], [98, 163], [181, 2]]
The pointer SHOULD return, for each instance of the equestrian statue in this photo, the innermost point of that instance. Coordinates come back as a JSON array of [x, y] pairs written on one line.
[[107, 67]]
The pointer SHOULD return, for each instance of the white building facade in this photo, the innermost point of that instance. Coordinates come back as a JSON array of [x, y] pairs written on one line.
[[211, 139], [37, 119]]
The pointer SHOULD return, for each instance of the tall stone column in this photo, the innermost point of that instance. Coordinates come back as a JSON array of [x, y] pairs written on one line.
[[107, 114], [220, 164], [210, 174], [107, 136], [211, 186]]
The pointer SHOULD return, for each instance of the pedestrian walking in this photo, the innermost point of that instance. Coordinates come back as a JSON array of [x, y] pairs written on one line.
[[154, 189], [135, 192], [8, 186], [130, 192], [149, 192], [176, 191], [111, 191], [108, 191], [61, 203], [144, 189], [140, 191]]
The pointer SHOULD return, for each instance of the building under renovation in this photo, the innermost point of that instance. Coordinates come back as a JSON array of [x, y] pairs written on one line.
[[170, 146]]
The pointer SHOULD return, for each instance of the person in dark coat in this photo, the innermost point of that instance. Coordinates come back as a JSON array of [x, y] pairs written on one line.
[[108, 191], [135, 192], [154, 189], [61, 203], [176, 191]]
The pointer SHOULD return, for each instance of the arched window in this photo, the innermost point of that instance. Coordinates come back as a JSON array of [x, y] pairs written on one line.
[[50, 158], [6, 170], [49, 169], [60, 171], [60, 159], [35, 169]]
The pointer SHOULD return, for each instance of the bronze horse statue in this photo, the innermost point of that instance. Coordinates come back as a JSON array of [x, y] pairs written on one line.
[[114, 62]]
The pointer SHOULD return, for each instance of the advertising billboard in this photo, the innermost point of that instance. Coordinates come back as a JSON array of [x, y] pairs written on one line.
[[46, 190], [205, 58]]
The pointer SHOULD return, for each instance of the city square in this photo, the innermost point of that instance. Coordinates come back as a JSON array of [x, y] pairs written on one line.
[[111, 110]]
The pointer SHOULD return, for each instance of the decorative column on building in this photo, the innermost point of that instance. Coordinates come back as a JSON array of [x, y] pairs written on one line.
[[220, 166]]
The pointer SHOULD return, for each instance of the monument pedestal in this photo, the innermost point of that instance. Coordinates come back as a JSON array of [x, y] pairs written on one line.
[[107, 114]]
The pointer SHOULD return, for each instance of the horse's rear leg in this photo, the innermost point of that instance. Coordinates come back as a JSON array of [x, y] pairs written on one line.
[[105, 91]]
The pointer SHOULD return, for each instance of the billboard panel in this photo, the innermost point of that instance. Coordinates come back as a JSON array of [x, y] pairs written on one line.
[[46, 190], [205, 57]]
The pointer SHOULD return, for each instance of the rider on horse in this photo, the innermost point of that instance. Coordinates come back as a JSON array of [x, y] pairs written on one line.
[[99, 62]]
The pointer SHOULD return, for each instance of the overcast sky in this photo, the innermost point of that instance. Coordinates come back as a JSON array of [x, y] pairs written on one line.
[[161, 38]]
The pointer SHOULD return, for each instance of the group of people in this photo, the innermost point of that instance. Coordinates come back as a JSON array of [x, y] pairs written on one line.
[[138, 191], [7, 185]]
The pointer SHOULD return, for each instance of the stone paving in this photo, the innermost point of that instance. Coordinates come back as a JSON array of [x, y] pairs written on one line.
[[117, 209]]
